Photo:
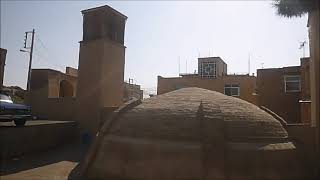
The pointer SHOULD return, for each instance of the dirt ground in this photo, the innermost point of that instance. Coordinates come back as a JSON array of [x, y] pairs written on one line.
[[55, 164]]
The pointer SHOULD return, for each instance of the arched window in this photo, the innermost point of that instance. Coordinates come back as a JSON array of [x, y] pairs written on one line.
[[66, 89]]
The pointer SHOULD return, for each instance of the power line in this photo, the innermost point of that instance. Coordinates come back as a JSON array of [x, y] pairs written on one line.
[[48, 54], [41, 43], [45, 59]]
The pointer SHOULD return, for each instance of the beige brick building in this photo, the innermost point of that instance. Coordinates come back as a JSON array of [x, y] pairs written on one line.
[[132, 91], [212, 75], [286, 91], [90, 93]]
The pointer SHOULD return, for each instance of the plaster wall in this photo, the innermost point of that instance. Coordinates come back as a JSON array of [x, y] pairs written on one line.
[[314, 29], [100, 82], [33, 138], [271, 93], [44, 96], [247, 84]]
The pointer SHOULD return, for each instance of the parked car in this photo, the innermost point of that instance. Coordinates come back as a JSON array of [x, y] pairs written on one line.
[[10, 111]]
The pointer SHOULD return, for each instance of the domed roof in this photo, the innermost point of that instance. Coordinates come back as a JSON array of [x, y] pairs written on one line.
[[191, 133], [176, 116]]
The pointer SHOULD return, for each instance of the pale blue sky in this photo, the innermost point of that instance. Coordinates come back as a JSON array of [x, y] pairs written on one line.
[[157, 33]]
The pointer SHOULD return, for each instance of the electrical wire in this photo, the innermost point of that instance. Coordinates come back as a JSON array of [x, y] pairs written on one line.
[[46, 58]]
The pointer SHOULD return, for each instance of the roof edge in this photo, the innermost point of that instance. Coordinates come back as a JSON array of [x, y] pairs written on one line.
[[104, 7]]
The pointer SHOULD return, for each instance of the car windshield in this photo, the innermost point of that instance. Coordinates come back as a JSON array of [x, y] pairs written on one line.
[[5, 98]]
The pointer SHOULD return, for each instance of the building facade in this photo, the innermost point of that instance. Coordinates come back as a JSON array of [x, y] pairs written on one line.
[[212, 76], [132, 91], [53, 94], [91, 92], [211, 67], [286, 91], [3, 53], [101, 66]]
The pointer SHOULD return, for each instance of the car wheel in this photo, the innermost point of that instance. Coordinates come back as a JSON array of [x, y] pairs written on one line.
[[20, 122]]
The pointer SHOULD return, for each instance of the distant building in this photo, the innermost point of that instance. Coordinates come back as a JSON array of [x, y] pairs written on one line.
[[286, 91], [53, 93], [3, 53], [212, 75], [211, 67], [87, 95], [72, 71], [132, 91]]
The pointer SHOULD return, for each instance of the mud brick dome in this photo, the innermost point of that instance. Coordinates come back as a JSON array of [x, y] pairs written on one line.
[[194, 133]]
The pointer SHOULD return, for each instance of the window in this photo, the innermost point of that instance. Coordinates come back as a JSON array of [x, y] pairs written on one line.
[[208, 69], [232, 89], [292, 84]]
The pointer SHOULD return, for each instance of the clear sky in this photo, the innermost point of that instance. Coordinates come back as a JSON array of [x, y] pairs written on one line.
[[157, 34]]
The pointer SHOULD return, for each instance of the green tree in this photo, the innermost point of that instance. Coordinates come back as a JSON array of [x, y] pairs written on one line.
[[294, 8]]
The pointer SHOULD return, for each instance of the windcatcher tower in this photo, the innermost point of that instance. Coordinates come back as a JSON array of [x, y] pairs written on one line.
[[101, 66]]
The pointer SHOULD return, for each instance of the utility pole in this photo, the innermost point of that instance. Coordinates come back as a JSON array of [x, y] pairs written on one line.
[[30, 61], [179, 67], [30, 53]]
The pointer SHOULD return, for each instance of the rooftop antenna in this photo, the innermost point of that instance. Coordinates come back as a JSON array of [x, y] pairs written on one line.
[[186, 66], [130, 81], [262, 65], [249, 64], [179, 66], [302, 46]]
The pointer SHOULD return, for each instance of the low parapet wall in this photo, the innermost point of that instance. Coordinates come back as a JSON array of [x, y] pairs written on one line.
[[59, 109], [34, 136]]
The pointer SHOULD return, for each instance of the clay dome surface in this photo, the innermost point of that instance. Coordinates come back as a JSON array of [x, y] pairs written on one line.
[[174, 116], [193, 133]]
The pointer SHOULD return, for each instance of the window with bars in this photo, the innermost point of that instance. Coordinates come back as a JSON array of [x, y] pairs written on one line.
[[208, 69], [232, 89], [292, 83]]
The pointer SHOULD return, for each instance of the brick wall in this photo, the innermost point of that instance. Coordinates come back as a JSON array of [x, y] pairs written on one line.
[[247, 84], [271, 93]]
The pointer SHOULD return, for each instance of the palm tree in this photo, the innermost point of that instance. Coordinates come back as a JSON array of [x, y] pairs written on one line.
[[294, 8]]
